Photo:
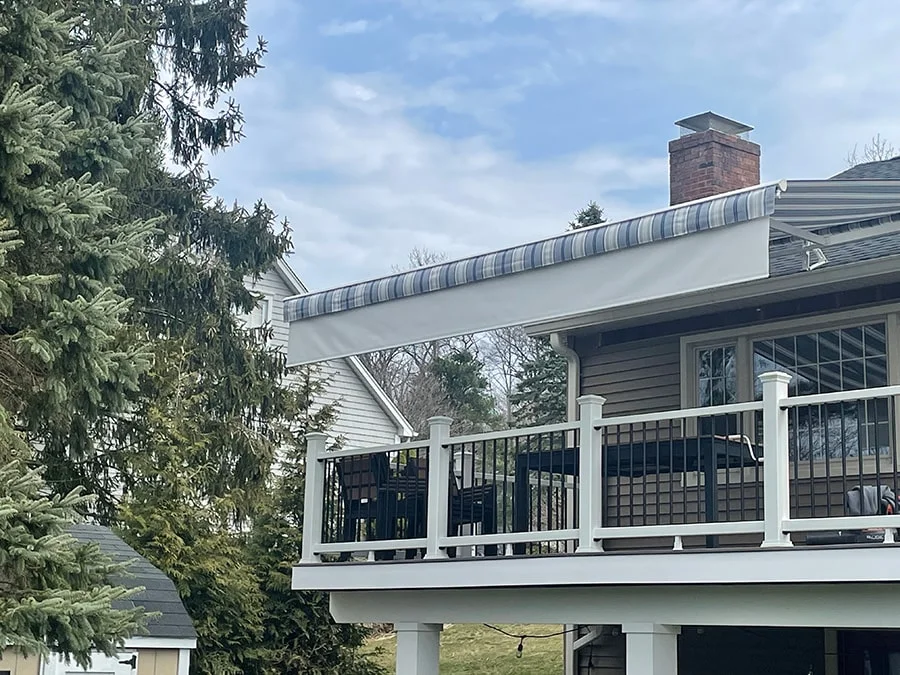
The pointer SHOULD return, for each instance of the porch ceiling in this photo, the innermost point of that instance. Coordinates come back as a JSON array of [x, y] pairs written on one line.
[[847, 606], [692, 248]]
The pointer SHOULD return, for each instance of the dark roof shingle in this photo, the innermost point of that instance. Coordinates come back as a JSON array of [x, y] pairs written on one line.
[[159, 594], [888, 169]]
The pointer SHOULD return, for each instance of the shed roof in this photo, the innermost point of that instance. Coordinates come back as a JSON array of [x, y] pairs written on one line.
[[159, 594]]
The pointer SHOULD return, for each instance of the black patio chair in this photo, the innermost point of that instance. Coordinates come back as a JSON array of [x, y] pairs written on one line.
[[369, 495], [475, 505]]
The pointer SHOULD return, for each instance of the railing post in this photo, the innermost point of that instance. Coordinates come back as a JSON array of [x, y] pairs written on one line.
[[590, 472], [314, 496], [438, 485], [776, 459]]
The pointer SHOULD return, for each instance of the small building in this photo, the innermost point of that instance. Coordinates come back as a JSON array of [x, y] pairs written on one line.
[[166, 647]]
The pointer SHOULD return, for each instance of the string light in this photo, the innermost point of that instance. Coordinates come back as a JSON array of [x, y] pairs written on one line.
[[525, 636]]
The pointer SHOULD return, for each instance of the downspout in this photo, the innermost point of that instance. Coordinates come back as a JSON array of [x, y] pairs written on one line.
[[559, 344]]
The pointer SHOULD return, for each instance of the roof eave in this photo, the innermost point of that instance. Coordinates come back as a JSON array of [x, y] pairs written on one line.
[[800, 284]]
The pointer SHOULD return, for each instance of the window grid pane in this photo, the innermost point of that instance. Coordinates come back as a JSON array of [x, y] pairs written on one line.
[[828, 361], [717, 376]]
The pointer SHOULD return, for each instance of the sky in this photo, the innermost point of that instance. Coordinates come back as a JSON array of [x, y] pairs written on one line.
[[464, 126]]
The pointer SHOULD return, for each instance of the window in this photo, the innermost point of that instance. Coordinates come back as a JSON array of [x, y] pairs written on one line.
[[819, 362], [835, 360], [717, 385], [829, 361], [259, 315], [717, 376]]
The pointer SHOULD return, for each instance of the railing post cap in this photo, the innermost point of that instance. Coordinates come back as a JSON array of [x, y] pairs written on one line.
[[440, 419], [776, 376], [316, 436], [590, 398]]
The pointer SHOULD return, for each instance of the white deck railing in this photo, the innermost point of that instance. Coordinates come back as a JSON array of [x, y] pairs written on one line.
[[774, 529]]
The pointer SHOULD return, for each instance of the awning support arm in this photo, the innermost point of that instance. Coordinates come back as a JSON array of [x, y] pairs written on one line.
[[838, 238]]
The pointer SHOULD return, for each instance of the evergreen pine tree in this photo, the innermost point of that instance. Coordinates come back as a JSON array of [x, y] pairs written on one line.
[[54, 591], [91, 295], [539, 396], [466, 389], [589, 216], [64, 356]]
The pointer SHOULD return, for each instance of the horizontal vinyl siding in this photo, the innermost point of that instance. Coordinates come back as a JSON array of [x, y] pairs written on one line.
[[605, 656], [361, 420], [636, 377]]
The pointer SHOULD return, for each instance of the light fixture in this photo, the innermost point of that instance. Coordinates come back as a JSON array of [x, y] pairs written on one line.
[[815, 257]]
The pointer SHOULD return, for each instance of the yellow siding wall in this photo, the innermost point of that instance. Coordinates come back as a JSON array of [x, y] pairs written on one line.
[[157, 662], [18, 664]]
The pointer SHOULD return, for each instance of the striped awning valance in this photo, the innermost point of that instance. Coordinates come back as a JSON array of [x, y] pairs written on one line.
[[670, 223]]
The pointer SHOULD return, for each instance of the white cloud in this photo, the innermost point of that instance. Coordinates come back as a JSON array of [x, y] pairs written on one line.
[[351, 159], [341, 28], [364, 185], [442, 46], [611, 9]]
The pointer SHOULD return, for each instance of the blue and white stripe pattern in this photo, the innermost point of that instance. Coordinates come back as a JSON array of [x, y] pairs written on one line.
[[675, 222]]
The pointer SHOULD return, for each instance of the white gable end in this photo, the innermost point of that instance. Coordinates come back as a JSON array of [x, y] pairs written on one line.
[[361, 420]]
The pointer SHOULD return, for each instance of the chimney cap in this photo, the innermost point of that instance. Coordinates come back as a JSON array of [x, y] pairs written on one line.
[[710, 120]]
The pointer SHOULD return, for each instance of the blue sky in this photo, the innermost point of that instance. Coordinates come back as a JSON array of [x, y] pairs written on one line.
[[463, 126]]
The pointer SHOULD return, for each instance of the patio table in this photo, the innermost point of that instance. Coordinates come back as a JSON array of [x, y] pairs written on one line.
[[707, 454]]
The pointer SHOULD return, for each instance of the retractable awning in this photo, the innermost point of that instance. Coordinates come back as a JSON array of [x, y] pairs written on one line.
[[684, 249]]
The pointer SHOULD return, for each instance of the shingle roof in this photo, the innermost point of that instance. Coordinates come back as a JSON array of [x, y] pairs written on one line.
[[159, 594], [888, 169], [789, 257]]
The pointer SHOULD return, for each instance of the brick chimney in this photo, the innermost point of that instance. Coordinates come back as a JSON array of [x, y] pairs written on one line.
[[712, 156]]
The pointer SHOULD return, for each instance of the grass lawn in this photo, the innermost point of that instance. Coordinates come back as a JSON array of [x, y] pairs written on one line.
[[470, 649]]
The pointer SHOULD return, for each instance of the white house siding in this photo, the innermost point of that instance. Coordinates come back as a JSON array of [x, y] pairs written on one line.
[[361, 420]]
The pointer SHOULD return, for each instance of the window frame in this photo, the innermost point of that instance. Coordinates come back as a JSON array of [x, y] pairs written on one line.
[[264, 304], [742, 338]]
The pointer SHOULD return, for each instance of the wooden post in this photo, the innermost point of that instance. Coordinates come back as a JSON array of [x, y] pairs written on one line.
[[651, 649], [418, 648]]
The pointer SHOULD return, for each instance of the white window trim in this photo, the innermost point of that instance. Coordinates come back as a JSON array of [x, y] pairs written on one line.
[[744, 336], [264, 304]]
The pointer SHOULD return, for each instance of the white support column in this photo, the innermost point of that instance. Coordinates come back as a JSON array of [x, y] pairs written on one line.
[[184, 661], [418, 648], [776, 462], [438, 485], [314, 497], [590, 473], [651, 649]]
